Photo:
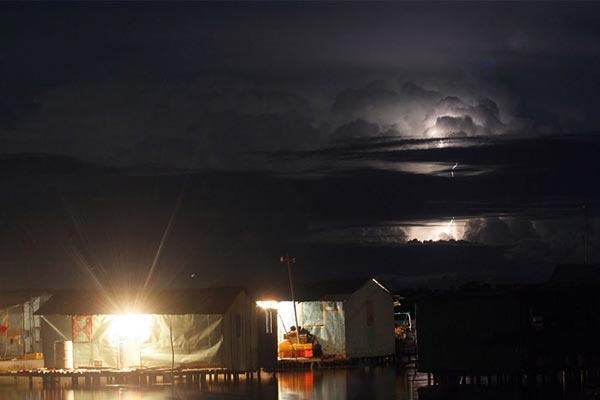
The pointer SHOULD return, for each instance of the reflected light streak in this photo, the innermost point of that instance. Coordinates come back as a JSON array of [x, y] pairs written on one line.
[[412, 167], [80, 260], [299, 385], [440, 169]]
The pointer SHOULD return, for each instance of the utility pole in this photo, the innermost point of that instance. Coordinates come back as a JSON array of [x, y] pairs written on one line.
[[291, 260]]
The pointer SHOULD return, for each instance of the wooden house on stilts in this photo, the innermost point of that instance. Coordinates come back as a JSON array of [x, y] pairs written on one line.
[[200, 328]]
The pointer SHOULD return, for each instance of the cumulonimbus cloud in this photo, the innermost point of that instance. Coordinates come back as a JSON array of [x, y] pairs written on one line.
[[496, 230], [222, 122], [413, 111]]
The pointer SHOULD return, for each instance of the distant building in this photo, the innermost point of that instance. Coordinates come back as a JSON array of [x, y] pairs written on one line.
[[522, 330], [463, 332]]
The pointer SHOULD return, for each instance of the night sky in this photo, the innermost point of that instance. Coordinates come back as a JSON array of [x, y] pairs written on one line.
[[193, 144]]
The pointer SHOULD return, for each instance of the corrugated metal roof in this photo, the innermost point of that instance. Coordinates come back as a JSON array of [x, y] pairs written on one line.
[[9, 298], [178, 301], [333, 290]]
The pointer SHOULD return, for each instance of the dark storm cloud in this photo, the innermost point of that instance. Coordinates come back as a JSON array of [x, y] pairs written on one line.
[[7, 117], [353, 102], [377, 235], [353, 219], [523, 185], [209, 123], [357, 129], [494, 230], [359, 121], [219, 122], [132, 78]]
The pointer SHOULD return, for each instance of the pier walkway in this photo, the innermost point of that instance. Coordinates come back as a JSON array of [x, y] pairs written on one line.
[[138, 377]]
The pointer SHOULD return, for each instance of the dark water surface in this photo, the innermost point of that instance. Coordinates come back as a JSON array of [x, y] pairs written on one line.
[[375, 383], [343, 383]]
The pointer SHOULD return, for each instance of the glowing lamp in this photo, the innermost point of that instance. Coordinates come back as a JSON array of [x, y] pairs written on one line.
[[268, 304], [130, 326]]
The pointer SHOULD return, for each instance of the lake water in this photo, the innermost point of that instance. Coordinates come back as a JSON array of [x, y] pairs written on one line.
[[335, 384], [375, 383]]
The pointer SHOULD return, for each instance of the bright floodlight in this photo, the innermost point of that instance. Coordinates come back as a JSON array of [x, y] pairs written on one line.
[[268, 304], [130, 326]]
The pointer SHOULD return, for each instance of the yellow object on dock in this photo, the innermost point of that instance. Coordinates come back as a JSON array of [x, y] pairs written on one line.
[[284, 349], [34, 356]]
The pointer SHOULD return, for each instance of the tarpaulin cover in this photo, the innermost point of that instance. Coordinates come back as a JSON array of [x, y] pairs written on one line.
[[361, 325], [190, 339], [323, 319], [19, 329]]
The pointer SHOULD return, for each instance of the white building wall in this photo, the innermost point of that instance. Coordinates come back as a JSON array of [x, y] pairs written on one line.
[[370, 322]]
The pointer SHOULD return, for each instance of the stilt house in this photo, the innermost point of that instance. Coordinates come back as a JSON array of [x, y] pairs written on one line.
[[214, 328]]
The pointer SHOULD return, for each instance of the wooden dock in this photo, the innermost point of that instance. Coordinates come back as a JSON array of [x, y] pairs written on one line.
[[298, 363], [311, 363], [137, 377]]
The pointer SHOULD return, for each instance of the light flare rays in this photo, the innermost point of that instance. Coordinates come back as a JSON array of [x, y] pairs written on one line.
[[80, 259]]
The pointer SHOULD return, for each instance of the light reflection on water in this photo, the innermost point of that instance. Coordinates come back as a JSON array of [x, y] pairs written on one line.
[[376, 383], [350, 383]]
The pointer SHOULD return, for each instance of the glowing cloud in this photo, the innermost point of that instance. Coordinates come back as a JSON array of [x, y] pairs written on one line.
[[439, 230]]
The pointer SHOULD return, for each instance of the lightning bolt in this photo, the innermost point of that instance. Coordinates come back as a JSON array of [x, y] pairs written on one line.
[[452, 220]]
